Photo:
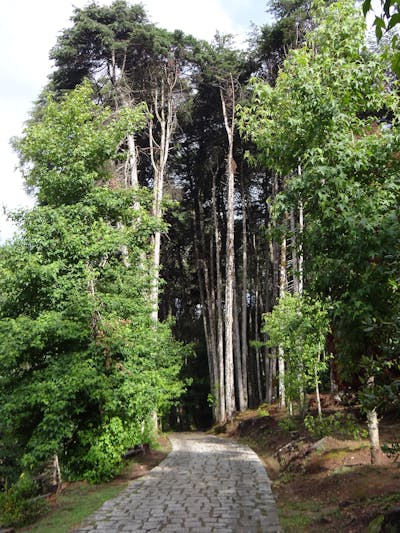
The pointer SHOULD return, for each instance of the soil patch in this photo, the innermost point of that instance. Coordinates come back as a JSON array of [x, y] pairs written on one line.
[[322, 485]]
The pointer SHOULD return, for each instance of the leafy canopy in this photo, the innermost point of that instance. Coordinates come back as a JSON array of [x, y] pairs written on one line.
[[82, 366]]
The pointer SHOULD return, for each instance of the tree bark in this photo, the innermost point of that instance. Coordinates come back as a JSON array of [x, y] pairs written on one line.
[[317, 395], [295, 262], [258, 393], [208, 324], [164, 111], [220, 322], [230, 251], [373, 430], [300, 262], [237, 349], [281, 360], [244, 296]]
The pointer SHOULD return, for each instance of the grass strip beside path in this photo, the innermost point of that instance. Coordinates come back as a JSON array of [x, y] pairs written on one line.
[[79, 500]]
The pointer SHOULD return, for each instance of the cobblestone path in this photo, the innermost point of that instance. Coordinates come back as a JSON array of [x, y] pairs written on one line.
[[206, 484]]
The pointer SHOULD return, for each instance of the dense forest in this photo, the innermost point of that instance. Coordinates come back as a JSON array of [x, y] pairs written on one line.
[[214, 228]]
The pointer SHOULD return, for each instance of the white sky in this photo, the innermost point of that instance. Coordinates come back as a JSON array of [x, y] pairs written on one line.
[[28, 30]]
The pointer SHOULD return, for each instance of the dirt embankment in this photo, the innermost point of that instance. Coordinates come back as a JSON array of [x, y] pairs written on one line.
[[323, 484]]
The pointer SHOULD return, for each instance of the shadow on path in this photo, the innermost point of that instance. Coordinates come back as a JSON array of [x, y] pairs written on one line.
[[206, 484]]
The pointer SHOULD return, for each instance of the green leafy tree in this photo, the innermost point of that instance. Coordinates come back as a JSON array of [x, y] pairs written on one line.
[[299, 325], [83, 366], [386, 25], [292, 18], [334, 112]]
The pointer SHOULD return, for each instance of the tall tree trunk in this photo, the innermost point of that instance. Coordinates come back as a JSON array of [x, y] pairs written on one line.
[[300, 262], [163, 109], [281, 360], [237, 349], [258, 394], [265, 306], [317, 395], [295, 262], [230, 250], [274, 249], [373, 430], [131, 176], [208, 323], [220, 386], [244, 296]]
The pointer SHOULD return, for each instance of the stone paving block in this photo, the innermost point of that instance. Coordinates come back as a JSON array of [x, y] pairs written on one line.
[[205, 485]]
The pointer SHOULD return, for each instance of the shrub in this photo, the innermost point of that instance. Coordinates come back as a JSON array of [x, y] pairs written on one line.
[[19, 505], [343, 425], [288, 424], [263, 410]]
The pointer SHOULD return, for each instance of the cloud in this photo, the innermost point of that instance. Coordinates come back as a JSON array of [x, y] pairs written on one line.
[[201, 19], [28, 30]]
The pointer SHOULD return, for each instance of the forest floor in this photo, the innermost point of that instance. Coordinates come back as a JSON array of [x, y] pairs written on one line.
[[322, 484]]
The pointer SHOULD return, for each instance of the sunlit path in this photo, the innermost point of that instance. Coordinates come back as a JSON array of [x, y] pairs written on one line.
[[206, 484]]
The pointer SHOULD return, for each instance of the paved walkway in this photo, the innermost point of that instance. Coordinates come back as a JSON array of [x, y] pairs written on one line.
[[205, 485]]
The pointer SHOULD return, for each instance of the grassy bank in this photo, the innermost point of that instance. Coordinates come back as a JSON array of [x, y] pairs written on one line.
[[78, 500]]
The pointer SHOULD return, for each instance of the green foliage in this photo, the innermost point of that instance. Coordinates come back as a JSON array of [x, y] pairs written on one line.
[[291, 19], [119, 41], [211, 399], [99, 35], [299, 325], [343, 425], [262, 410], [65, 153], [385, 21], [288, 424], [334, 112], [18, 503], [392, 449], [82, 365]]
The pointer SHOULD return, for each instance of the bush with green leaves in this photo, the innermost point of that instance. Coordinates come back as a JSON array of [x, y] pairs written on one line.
[[19, 504], [288, 424], [299, 326], [342, 425]]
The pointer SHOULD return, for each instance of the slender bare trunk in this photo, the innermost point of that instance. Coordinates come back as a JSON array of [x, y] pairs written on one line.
[[300, 263], [373, 431], [202, 274], [269, 362], [229, 122], [220, 321], [317, 395], [57, 479], [131, 176], [281, 377], [281, 360], [295, 263], [237, 350], [275, 263], [229, 371], [210, 304], [244, 296], [258, 395], [164, 112]]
